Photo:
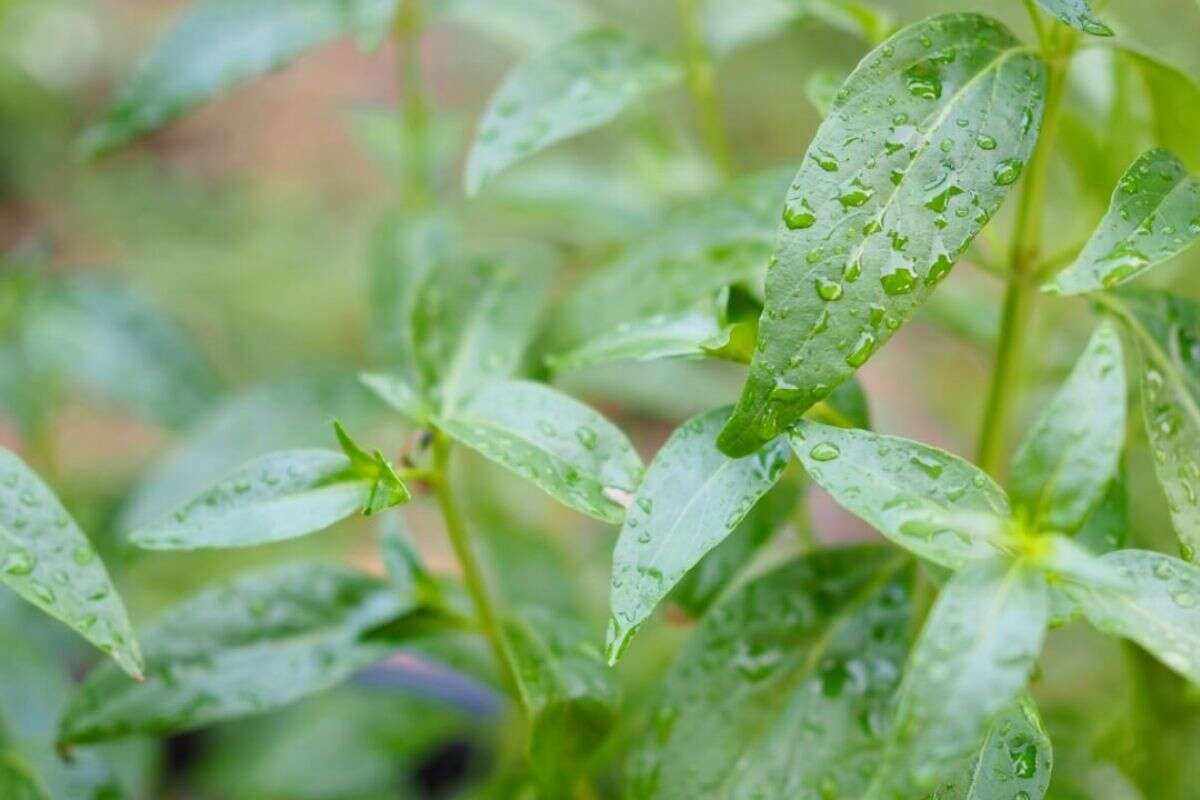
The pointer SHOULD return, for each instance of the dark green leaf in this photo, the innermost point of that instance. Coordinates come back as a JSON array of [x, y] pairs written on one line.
[[935, 504], [47, 559], [1107, 527], [1078, 14], [846, 407], [926, 140], [575, 86], [569, 450], [17, 781], [692, 498], [1154, 215], [528, 24], [216, 44], [1071, 454]]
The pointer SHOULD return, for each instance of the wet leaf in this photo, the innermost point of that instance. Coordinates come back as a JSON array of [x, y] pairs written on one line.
[[1014, 761], [929, 135], [1078, 14], [1071, 454], [692, 498], [575, 86], [216, 44], [47, 560], [664, 336], [569, 450], [926, 500], [1154, 215]]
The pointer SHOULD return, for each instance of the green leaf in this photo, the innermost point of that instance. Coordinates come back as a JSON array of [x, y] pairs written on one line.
[[527, 24], [846, 407], [890, 194], [1174, 100], [569, 450], [661, 336], [1071, 454], [17, 781], [926, 500], [216, 44], [1107, 527], [1014, 761], [692, 498], [730, 24], [260, 642], [1078, 14], [974, 657], [784, 689], [1154, 215], [47, 559], [406, 572], [399, 394], [821, 90], [1166, 330], [575, 86]]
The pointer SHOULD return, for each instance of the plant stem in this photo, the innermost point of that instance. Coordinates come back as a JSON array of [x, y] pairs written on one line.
[[456, 529], [701, 81], [1023, 257], [414, 105]]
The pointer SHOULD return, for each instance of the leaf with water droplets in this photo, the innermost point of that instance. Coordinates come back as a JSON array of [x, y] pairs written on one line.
[[974, 657], [1013, 763], [1154, 215], [47, 559], [216, 44], [692, 498], [665, 336], [1071, 453], [573, 87], [569, 450], [1078, 14], [897, 183], [933, 503], [262, 641]]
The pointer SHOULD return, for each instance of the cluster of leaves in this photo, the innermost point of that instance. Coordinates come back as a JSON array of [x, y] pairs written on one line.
[[827, 676]]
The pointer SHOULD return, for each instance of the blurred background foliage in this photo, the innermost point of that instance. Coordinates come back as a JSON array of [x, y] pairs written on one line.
[[201, 297]]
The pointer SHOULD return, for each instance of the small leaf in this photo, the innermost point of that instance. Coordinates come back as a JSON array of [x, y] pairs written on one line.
[[1154, 215], [527, 24], [974, 657], [1078, 14], [657, 337], [47, 560], [399, 394], [569, 450], [17, 781], [1071, 454], [265, 640], [216, 44], [573, 87], [926, 500], [692, 498], [894, 188]]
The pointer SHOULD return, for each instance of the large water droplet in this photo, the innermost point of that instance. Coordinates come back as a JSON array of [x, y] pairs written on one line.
[[825, 451], [798, 216], [1007, 171]]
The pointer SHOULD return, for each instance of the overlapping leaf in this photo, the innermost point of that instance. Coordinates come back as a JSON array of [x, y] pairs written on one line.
[[1078, 14], [528, 24], [926, 139], [17, 781], [730, 24]]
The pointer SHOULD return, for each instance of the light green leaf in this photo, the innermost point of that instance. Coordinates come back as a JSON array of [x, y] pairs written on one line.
[[1174, 100], [730, 24], [527, 24], [262, 641], [569, 450], [974, 657], [1107, 527], [933, 503], [821, 90], [1072, 452], [47, 559], [660, 336], [1014, 761], [399, 394], [692, 498], [575, 86], [216, 44], [894, 188], [785, 688], [406, 572], [1078, 14], [1154, 215], [17, 781]]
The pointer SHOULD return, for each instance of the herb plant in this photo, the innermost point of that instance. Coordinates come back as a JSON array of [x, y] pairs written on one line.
[[897, 670]]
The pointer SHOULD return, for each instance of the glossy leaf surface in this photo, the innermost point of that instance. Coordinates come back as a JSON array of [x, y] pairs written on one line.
[[1078, 14], [928, 136]]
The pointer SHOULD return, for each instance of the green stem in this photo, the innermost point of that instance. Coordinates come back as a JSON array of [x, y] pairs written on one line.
[[701, 81], [415, 113], [1023, 258]]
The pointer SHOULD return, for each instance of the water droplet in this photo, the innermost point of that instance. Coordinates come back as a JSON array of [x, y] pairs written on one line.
[[923, 81], [19, 562], [785, 392], [862, 349], [825, 160], [855, 194], [1184, 599], [798, 216], [1007, 171], [586, 437], [825, 451], [828, 290], [899, 281]]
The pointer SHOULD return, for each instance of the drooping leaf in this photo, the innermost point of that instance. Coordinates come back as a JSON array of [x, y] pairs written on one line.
[[973, 659], [262, 641], [527, 24], [1071, 454], [569, 450], [216, 44], [729, 24], [893, 190], [47, 559], [926, 500], [692, 498], [661, 336], [574, 86], [1078, 14], [1154, 215], [17, 781]]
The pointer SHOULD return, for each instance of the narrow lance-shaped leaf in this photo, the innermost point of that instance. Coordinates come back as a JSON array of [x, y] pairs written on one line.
[[693, 496], [575, 86], [47, 559], [1154, 215], [927, 137], [216, 44], [973, 659], [1078, 14], [569, 450], [926, 500], [660, 336], [1071, 454], [17, 781]]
